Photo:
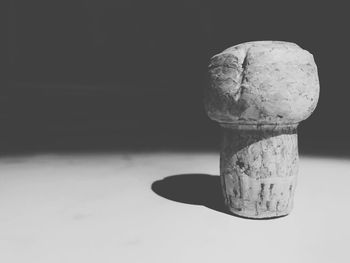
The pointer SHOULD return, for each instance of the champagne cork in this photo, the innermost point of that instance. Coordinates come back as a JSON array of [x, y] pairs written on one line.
[[259, 92]]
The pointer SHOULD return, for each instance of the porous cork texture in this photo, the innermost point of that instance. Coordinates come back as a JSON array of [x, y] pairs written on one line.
[[258, 93], [262, 82], [259, 170]]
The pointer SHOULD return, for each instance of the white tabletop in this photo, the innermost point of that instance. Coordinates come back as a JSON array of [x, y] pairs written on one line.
[[101, 208]]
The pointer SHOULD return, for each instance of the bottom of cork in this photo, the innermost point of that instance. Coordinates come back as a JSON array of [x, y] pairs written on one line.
[[266, 215]]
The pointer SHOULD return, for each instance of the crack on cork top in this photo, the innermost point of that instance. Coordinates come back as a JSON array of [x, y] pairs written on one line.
[[242, 78], [262, 82], [228, 71]]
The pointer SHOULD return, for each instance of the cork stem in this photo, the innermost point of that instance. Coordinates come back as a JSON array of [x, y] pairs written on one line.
[[259, 166]]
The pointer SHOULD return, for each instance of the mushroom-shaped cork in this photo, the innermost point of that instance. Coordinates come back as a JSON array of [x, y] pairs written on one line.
[[259, 92]]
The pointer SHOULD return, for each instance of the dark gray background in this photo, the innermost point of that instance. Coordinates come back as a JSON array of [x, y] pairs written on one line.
[[106, 75]]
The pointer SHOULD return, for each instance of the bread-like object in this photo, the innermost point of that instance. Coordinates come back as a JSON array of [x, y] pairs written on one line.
[[262, 82]]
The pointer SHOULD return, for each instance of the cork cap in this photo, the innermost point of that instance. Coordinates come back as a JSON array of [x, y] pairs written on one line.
[[262, 82]]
